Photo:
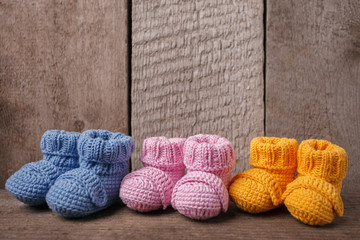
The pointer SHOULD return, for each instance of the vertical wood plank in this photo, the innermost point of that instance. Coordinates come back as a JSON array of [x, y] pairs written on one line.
[[63, 65], [313, 74], [197, 67]]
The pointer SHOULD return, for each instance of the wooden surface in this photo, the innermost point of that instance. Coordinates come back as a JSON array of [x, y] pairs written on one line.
[[18, 221], [197, 67], [63, 65], [313, 74]]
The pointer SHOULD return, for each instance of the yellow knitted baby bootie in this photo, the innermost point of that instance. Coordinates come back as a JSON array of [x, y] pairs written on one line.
[[260, 189], [314, 196]]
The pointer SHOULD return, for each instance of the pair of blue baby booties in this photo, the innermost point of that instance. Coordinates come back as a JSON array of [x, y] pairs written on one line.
[[80, 173]]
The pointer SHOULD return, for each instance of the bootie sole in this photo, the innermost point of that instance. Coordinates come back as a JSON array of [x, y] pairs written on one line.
[[250, 196], [197, 201], [309, 207], [140, 195], [200, 195]]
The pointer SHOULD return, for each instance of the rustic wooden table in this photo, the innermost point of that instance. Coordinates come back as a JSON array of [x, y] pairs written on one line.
[[19, 221]]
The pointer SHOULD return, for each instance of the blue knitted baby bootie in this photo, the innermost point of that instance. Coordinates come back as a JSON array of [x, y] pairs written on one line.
[[104, 161], [31, 183]]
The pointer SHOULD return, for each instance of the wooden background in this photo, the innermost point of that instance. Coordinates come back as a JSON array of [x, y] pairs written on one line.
[[63, 65], [197, 66], [313, 74]]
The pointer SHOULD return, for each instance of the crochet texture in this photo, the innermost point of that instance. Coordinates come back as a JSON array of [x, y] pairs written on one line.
[[150, 188], [314, 196], [260, 189], [31, 183], [202, 193], [104, 161]]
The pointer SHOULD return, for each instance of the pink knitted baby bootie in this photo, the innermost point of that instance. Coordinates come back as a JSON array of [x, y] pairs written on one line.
[[202, 193], [150, 188]]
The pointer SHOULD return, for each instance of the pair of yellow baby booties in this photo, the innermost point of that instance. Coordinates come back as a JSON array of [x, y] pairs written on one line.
[[313, 197]]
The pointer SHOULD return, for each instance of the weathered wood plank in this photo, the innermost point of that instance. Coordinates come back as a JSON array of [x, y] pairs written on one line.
[[118, 222], [197, 67], [63, 65], [313, 74]]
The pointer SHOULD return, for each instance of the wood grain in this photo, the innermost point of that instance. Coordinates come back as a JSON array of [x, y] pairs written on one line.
[[312, 74], [19, 221], [197, 67], [63, 65]]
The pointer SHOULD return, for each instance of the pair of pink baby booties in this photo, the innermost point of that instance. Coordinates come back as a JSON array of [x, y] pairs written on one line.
[[200, 194]]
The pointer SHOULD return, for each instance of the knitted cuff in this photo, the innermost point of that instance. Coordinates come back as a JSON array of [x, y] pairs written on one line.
[[59, 142], [163, 153], [322, 159], [273, 153], [208, 153], [102, 146]]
